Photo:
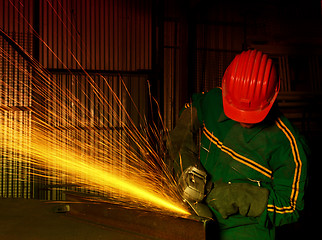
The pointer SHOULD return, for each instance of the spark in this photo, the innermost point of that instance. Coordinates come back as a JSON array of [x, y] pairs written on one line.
[[82, 135], [86, 173]]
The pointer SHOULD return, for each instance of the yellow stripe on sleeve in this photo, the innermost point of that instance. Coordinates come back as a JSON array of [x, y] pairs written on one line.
[[297, 171]]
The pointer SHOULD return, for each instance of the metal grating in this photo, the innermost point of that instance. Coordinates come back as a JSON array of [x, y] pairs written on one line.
[[73, 40], [216, 47], [91, 122], [15, 100]]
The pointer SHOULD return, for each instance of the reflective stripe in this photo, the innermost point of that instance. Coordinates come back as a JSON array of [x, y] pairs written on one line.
[[282, 210], [297, 172], [250, 163]]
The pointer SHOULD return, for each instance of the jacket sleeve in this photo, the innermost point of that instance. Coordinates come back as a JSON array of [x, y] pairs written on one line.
[[182, 148], [289, 166]]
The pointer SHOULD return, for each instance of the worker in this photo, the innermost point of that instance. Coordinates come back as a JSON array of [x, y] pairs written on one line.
[[251, 153]]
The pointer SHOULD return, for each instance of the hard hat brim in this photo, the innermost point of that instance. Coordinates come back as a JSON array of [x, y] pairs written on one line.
[[244, 116]]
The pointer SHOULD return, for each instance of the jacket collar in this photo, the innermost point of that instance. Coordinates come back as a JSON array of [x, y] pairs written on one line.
[[223, 117], [248, 133]]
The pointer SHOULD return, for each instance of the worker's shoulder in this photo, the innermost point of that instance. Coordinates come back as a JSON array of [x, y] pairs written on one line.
[[215, 93], [286, 126], [283, 131]]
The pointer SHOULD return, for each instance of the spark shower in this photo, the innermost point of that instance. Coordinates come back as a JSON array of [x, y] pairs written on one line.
[[78, 134]]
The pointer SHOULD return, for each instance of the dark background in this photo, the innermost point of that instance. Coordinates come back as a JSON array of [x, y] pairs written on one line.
[[181, 47]]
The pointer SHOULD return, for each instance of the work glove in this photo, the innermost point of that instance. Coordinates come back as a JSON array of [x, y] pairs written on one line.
[[243, 198], [182, 149]]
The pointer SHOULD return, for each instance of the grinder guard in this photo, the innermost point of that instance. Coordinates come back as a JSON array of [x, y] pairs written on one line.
[[193, 188]]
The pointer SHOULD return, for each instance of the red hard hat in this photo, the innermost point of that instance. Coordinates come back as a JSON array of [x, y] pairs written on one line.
[[250, 86]]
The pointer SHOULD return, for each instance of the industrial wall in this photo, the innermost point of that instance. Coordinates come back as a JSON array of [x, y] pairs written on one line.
[[71, 42]]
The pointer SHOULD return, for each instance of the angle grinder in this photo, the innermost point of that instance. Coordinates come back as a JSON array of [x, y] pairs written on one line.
[[193, 187]]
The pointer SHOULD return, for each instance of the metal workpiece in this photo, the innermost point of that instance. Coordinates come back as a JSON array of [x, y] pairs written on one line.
[[31, 219], [80, 219], [148, 224], [200, 209]]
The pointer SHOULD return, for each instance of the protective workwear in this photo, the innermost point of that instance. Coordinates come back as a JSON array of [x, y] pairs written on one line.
[[271, 154], [242, 198], [250, 86]]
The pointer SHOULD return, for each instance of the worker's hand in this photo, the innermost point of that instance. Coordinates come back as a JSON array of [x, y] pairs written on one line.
[[242, 198], [220, 199], [183, 157], [181, 144]]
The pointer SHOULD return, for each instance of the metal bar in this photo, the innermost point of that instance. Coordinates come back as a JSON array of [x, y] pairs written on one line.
[[36, 27], [87, 128], [97, 71], [150, 225], [16, 47]]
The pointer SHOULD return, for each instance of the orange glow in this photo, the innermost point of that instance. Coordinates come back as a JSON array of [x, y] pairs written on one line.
[[65, 162], [81, 135], [64, 155]]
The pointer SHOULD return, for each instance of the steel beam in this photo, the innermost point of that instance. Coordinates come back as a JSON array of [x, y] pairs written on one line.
[[148, 224]]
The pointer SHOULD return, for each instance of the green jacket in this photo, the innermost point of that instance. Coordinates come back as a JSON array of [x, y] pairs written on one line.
[[271, 154]]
